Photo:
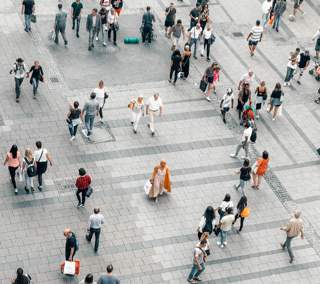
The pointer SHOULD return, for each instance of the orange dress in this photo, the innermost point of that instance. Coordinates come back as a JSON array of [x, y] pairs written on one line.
[[161, 180], [262, 166]]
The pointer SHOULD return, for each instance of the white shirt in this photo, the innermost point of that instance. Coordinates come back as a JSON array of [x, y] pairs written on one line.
[[95, 221], [154, 105], [94, 21], [256, 32], [226, 222], [106, 4], [100, 95], [266, 6], [207, 33], [203, 222], [37, 155], [247, 79], [225, 205], [19, 70], [195, 33], [112, 18], [227, 99], [246, 134]]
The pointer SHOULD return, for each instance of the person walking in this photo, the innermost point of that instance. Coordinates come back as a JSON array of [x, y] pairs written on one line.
[[226, 203], [291, 68], [82, 184], [113, 25], [137, 110], [101, 96], [27, 10], [194, 16], [71, 244], [207, 36], [266, 10], [259, 169], [42, 157], [204, 16], [37, 76], [147, 25], [198, 262], [175, 66], [276, 100], [88, 279], [225, 226], [109, 278], [242, 212], [117, 6], [176, 32], [247, 78], [226, 103], [104, 25], [244, 97], [73, 119], [245, 140], [89, 112], [207, 222], [245, 176], [278, 11], [29, 170], [21, 277], [60, 25], [303, 64], [208, 76], [76, 9], [185, 64], [96, 220], [316, 38], [13, 162], [20, 71], [160, 180], [261, 97], [194, 36], [170, 18], [293, 229], [254, 37], [297, 7], [154, 108], [93, 26]]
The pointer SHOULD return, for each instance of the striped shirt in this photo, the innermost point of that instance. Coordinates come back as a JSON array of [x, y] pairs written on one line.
[[256, 33]]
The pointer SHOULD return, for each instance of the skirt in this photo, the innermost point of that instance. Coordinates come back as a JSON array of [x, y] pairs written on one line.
[[275, 102]]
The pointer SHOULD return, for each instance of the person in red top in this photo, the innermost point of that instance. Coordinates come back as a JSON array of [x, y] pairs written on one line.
[[259, 169], [13, 161], [82, 183]]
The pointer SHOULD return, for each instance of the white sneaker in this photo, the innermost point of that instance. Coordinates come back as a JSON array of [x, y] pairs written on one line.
[[72, 138], [85, 133], [218, 243], [222, 246], [16, 191], [285, 84], [97, 38], [244, 157], [233, 155], [104, 43], [224, 243], [208, 99]]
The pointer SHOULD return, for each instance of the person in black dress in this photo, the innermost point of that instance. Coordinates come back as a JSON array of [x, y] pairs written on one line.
[[36, 76], [175, 65], [185, 64]]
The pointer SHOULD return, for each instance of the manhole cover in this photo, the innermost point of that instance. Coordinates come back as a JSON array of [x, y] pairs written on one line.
[[54, 79], [238, 34]]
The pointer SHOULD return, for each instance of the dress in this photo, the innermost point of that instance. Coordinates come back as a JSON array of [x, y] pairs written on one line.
[[161, 181], [186, 63]]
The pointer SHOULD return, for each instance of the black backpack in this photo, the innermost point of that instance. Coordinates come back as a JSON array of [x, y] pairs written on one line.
[[31, 169], [253, 137]]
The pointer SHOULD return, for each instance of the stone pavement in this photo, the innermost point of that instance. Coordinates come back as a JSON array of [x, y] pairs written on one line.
[[147, 242]]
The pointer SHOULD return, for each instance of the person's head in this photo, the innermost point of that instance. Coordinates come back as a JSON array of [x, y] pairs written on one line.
[[306, 52], [171, 5], [82, 172], [14, 151], [278, 86], [163, 163], [112, 11], [297, 50], [59, 6], [109, 268], [156, 96], [19, 272], [204, 236], [265, 155], [227, 197], [77, 1], [229, 210], [198, 26], [262, 83], [67, 232], [94, 11], [179, 22], [206, 7], [176, 52], [92, 95], [246, 163], [229, 91], [19, 60], [246, 125], [28, 153], [88, 279], [101, 84], [140, 99], [96, 210], [36, 63], [198, 6], [257, 22], [250, 73], [209, 213], [297, 214], [203, 243], [148, 8], [246, 86], [208, 27], [75, 104], [38, 144]]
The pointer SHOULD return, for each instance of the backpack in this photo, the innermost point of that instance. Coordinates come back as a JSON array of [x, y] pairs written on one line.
[[31, 169], [253, 137]]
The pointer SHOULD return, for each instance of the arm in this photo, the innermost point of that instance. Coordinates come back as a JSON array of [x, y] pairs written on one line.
[[147, 109], [316, 35], [87, 24], [249, 35], [232, 101], [161, 110], [71, 253], [6, 160], [22, 9], [48, 156], [89, 223]]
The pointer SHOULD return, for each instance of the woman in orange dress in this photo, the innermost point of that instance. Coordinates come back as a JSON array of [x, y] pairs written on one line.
[[259, 169], [160, 180]]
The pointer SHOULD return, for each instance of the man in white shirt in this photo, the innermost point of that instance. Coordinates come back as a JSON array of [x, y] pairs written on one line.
[[94, 227], [266, 8], [154, 107], [226, 102], [246, 78], [20, 71], [254, 37], [225, 226], [194, 36], [244, 141]]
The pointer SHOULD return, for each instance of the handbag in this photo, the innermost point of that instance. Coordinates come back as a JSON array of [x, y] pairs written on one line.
[[76, 265], [203, 85], [216, 230], [89, 191], [271, 20], [33, 18], [212, 39], [147, 187], [52, 35], [245, 212]]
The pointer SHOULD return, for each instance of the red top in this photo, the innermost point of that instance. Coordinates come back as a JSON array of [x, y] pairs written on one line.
[[83, 182]]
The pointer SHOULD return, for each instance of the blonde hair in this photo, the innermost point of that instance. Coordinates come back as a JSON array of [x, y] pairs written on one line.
[[28, 153]]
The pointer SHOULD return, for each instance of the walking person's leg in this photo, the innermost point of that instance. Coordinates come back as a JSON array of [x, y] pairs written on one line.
[[83, 195], [71, 129], [238, 149], [91, 123], [193, 271], [114, 35], [275, 112], [63, 34], [171, 73], [87, 124], [40, 180], [138, 116], [197, 274], [246, 149], [17, 88], [12, 172], [78, 196], [97, 238], [74, 22], [109, 34], [288, 244], [35, 85], [195, 49], [176, 71], [100, 113], [241, 223], [208, 50], [78, 25], [89, 236], [259, 181], [151, 121], [75, 128], [90, 40]]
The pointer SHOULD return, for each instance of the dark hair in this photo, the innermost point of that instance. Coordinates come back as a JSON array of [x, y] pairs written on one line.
[[242, 203], [246, 125], [278, 86], [109, 268], [75, 104], [148, 8], [20, 278], [209, 214], [88, 279], [82, 171], [59, 6], [14, 151], [258, 22], [176, 52], [229, 210], [246, 163], [92, 95], [39, 144], [265, 155], [95, 9], [179, 21], [227, 197], [19, 60], [19, 271], [203, 242], [96, 210]]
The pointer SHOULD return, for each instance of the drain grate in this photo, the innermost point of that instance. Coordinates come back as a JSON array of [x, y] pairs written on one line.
[[237, 34], [54, 79]]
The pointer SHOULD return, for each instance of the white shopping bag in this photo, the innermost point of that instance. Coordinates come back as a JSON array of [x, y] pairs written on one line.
[[69, 268], [147, 187]]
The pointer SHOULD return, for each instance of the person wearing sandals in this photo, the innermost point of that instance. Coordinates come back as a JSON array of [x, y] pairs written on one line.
[[13, 161], [275, 100], [261, 97], [259, 169], [29, 170], [207, 222]]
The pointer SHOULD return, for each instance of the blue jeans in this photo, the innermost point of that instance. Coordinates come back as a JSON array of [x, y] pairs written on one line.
[[195, 271], [27, 22], [276, 23], [35, 85], [289, 74], [194, 41], [18, 82], [287, 244], [242, 185], [265, 19], [89, 120], [72, 129], [222, 236]]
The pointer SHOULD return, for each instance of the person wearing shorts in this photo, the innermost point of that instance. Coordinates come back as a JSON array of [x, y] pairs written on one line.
[[254, 37], [170, 18]]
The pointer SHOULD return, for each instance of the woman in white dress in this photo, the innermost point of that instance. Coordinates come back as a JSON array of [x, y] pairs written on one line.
[[101, 97], [137, 110]]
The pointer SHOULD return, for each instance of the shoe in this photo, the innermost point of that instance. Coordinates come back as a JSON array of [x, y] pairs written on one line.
[[17, 100], [131, 122], [257, 116], [195, 57], [192, 281], [34, 97], [32, 189], [104, 43], [277, 30], [97, 38], [66, 42], [79, 204], [208, 99], [285, 84], [85, 133], [27, 190], [244, 157], [235, 187], [233, 155], [222, 246], [208, 59], [134, 131], [92, 45], [218, 243], [197, 279], [201, 55], [148, 125], [115, 44], [26, 30], [77, 35], [169, 81], [40, 188], [273, 119], [291, 260], [73, 27], [316, 101], [282, 246], [15, 191], [224, 243], [72, 138], [152, 133], [224, 120], [298, 82]]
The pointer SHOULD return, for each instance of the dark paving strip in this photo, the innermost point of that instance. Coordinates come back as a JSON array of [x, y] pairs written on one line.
[[168, 118], [151, 150], [225, 11], [314, 7], [231, 259], [307, 199], [296, 166]]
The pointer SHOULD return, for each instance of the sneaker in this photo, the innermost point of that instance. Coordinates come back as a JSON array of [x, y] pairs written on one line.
[[27, 190], [208, 59], [298, 82], [72, 138], [201, 55], [66, 42], [244, 157], [32, 189], [235, 187], [132, 122], [291, 260], [15, 191], [257, 116], [233, 155], [78, 35], [152, 133], [282, 246], [273, 119], [85, 133], [17, 100], [89, 48], [134, 131], [285, 84], [40, 188], [192, 281], [197, 279], [222, 246], [73, 27], [208, 99], [224, 243], [79, 204], [104, 43], [97, 38], [224, 120], [218, 243], [195, 57], [115, 44], [169, 81]]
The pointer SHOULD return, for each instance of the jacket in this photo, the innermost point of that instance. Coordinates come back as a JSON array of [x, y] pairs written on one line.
[[89, 24], [61, 19], [280, 7]]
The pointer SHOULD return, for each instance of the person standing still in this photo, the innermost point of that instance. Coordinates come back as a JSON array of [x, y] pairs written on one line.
[[82, 184], [89, 112], [198, 265], [245, 140], [94, 227], [254, 37], [36, 77], [76, 9], [60, 25], [13, 161], [109, 278], [27, 9], [20, 70], [42, 157], [293, 229], [93, 26], [71, 244], [154, 107]]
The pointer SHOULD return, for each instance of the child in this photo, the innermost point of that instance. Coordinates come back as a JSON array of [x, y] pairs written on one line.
[[245, 176], [226, 103]]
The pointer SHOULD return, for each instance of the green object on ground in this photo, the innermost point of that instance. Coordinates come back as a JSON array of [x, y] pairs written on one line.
[[131, 40]]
